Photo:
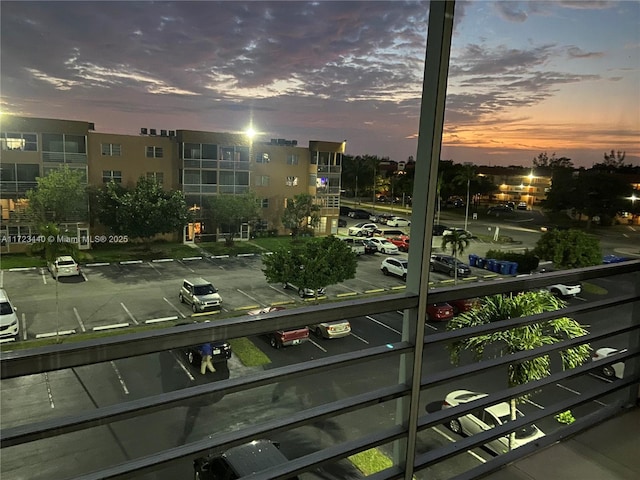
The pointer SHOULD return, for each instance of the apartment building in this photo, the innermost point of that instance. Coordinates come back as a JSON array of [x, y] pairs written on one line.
[[201, 164], [518, 184]]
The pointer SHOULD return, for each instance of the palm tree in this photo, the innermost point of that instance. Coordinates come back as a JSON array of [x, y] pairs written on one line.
[[467, 174], [501, 308], [458, 242]]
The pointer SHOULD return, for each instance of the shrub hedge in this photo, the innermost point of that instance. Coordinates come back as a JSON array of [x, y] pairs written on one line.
[[527, 261]]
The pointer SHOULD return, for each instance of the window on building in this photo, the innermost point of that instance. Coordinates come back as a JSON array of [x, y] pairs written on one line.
[[292, 181], [27, 142], [192, 177], [154, 152], [265, 203], [262, 157], [111, 175], [157, 176], [191, 151], [209, 177], [111, 149], [262, 180], [292, 159]]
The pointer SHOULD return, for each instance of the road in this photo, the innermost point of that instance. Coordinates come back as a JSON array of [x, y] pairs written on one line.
[[136, 293]]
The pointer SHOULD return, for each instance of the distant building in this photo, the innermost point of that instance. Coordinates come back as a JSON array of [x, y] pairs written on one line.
[[198, 163]]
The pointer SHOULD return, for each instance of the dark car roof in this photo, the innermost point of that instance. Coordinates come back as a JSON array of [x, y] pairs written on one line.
[[254, 457]]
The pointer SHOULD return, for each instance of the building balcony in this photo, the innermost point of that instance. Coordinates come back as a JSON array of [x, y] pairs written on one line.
[[383, 397]]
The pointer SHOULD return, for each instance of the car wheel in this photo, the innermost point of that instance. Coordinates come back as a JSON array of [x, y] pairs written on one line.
[[608, 372], [383, 251], [274, 342], [385, 271], [318, 332], [359, 234], [194, 308], [181, 298], [301, 292], [455, 427], [555, 292], [451, 273], [404, 277], [431, 268]]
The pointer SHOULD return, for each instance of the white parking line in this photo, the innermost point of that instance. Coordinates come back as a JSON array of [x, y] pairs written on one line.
[[317, 345], [534, 404], [1, 278], [451, 439], [568, 389], [44, 277], [359, 338], [185, 369], [246, 294], [24, 327], [383, 325], [133, 319], [174, 307], [280, 291], [157, 271], [79, 319], [120, 379], [48, 385], [84, 276], [186, 266]]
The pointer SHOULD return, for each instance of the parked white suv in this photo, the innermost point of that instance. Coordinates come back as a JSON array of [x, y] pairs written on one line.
[[8, 318], [362, 229], [393, 266], [200, 293]]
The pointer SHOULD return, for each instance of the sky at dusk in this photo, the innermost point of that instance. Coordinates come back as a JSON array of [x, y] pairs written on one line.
[[525, 77]]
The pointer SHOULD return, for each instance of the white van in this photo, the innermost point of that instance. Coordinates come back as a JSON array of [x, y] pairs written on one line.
[[356, 244], [8, 318]]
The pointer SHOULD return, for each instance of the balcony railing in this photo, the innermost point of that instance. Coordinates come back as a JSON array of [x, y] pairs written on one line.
[[383, 410]]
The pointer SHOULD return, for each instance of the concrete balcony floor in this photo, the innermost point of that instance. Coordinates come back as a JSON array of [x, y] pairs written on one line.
[[607, 451]]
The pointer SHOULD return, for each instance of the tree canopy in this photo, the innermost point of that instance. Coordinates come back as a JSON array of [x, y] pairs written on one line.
[[143, 212], [569, 249], [313, 264], [300, 214], [59, 196], [545, 162], [227, 212]]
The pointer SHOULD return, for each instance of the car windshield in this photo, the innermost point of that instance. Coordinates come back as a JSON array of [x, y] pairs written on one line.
[[204, 290], [5, 308]]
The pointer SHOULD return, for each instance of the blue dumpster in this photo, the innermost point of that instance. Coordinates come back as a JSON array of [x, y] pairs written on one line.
[[472, 260], [491, 264], [514, 268], [505, 268], [480, 262]]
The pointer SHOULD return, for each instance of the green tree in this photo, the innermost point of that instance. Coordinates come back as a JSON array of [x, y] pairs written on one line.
[[314, 264], [59, 196], [508, 341], [601, 194], [569, 249], [545, 162], [300, 214], [143, 212], [229, 211], [457, 242]]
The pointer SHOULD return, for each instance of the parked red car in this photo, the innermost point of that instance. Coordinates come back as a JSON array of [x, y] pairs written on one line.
[[400, 241], [439, 312], [463, 305], [283, 338]]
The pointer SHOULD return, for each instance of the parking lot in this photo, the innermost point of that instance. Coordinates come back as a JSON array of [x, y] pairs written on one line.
[[119, 295]]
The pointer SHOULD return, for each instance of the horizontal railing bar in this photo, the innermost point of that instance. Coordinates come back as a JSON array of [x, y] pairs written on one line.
[[122, 411]]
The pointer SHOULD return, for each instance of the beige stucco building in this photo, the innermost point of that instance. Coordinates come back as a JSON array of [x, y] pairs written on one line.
[[198, 163]]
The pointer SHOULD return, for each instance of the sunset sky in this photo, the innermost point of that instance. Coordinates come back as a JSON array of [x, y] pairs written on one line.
[[525, 77]]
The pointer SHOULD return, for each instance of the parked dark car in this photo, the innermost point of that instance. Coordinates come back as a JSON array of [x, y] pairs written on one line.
[[447, 264], [438, 230], [342, 222], [359, 213], [498, 210], [345, 210], [239, 461], [221, 351], [369, 246]]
